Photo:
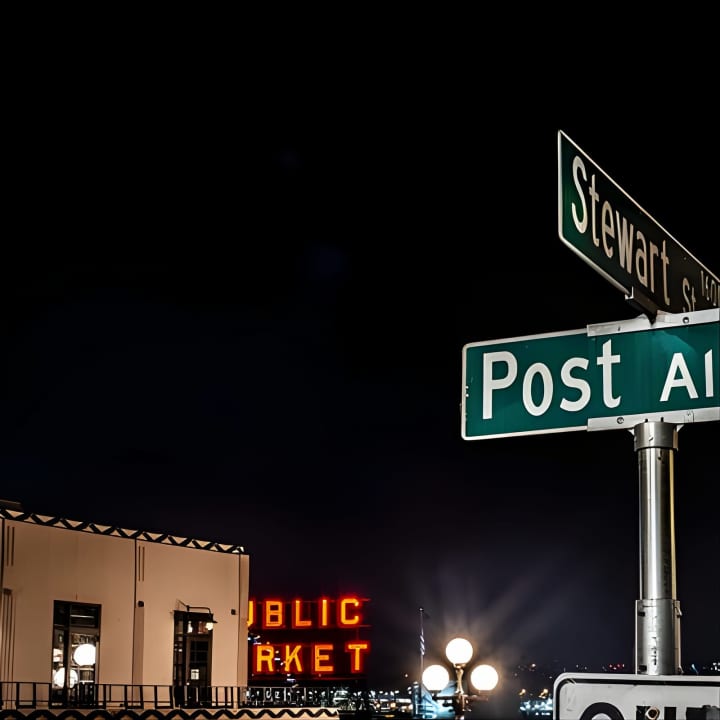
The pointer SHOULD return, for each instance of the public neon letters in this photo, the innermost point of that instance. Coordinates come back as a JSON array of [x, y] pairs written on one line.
[[344, 612]]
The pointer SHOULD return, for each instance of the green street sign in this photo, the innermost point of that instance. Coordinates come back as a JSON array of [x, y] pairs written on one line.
[[606, 376], [604, 226]]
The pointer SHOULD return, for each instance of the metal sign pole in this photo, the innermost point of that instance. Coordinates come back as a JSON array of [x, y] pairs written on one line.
[[657, 617]]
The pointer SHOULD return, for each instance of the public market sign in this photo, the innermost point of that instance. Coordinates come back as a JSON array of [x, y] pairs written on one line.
[[310, 639], [604, 226], [610, 375]]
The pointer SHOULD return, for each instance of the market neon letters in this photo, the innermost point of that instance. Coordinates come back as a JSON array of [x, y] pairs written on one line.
[[315, 658], [308, 638]]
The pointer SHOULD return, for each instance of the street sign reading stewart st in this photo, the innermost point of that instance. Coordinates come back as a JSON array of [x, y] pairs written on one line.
[[610, 375], [613, 234]]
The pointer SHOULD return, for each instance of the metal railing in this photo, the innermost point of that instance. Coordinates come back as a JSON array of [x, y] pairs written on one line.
[[19, 695], [292, 696], [37, 695]]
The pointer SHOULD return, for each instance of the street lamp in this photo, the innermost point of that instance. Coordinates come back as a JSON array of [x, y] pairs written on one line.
[[483, 678]]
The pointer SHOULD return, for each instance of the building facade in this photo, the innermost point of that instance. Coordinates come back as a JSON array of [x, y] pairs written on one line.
[[87, 607]]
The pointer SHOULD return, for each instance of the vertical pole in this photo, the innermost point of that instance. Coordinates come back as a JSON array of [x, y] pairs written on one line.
[[657, 616], [422, 645], [459, 698], [420, 699]]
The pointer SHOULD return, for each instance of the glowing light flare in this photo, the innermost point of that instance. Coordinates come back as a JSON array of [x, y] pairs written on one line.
[[459, 651], [84, 654], [484, 678], [59, 678], [435, 678]]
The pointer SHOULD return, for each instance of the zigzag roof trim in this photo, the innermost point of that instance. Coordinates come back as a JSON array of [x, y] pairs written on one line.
[[91, 527]]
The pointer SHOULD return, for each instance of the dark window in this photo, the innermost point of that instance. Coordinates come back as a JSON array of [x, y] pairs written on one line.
[[192, 657]]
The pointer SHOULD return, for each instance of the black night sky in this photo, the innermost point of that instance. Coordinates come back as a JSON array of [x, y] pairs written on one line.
[[234, 309]]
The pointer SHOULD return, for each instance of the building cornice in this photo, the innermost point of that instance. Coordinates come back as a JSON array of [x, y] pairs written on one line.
[[110, 530]]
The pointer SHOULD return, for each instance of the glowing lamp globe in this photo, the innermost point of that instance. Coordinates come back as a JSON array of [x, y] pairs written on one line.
[[459, 651], [484, 678], [59, 678], [84, 654], [435, 678]]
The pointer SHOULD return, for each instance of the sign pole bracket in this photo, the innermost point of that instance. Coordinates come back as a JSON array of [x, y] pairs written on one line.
[[640, 302], [657, 612]]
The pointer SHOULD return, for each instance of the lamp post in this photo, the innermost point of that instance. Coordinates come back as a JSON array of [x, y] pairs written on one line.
[[483, 678]]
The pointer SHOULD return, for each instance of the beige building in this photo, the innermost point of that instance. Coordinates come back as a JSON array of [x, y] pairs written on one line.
[[87, 607]]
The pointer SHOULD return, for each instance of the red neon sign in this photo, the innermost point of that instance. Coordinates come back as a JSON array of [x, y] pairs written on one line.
[[345, 612], [308, 658], [308, 637]]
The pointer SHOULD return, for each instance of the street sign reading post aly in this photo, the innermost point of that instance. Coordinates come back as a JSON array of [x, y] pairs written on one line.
[[614, 235], [610, 375]]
